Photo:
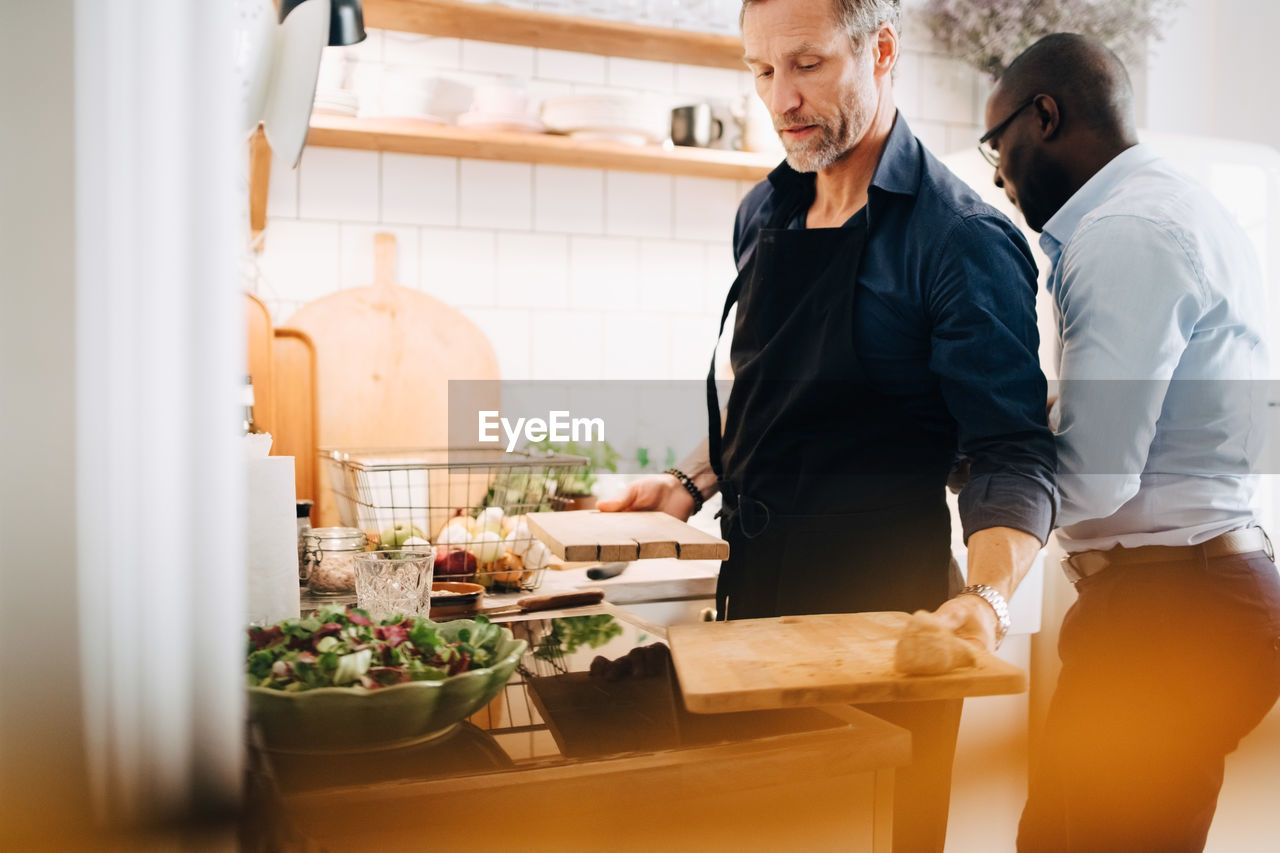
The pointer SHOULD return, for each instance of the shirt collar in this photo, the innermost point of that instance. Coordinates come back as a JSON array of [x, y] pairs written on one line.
[[897, 172], [900, 163], [1058, 230]]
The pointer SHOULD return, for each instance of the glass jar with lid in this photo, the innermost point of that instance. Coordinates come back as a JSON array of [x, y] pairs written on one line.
[[330, 557]]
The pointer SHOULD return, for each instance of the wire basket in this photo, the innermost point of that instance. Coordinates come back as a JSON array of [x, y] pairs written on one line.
[[467, 502]]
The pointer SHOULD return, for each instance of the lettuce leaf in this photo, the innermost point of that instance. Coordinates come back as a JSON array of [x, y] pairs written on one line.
[[352, 666]]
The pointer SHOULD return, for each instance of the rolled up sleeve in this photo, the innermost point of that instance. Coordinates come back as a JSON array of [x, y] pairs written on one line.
[[984, 350]]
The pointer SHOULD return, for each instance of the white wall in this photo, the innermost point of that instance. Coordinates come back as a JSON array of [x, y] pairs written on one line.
[[1213, 76], [1214, 72], [572, 273]]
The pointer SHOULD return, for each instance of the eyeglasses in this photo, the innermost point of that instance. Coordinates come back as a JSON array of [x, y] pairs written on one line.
[[991, 155]]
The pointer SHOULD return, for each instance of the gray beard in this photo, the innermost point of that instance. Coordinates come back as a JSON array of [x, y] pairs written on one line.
[[814, 156], [833, 142]]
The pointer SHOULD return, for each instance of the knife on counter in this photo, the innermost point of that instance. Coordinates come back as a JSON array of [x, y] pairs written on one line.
[[606, 571], [553, 601]]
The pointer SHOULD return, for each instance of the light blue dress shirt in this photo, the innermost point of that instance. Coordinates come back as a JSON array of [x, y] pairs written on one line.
[[1160, 312]]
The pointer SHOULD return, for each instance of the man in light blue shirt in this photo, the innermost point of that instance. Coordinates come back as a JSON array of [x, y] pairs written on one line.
[[1171, 652], [1160, 313]]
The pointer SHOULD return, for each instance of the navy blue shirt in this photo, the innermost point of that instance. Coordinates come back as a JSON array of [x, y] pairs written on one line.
[[946, 323]]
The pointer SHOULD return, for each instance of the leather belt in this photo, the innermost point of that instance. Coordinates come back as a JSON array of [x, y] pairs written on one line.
[[1083, 564]]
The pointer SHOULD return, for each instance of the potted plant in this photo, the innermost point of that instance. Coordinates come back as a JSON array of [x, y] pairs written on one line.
[[573, 485], [989, 34]]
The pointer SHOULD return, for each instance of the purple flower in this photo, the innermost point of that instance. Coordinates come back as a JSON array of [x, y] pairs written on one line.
[[989, 34]]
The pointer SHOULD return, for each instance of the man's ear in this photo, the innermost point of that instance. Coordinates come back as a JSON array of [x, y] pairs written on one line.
[[1047, 115], [885, 49]]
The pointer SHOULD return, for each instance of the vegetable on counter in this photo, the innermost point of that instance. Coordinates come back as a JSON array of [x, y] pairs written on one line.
[[343, 647], [569, 633]]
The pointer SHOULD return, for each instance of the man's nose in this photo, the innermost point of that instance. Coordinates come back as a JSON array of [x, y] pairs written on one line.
[[998, 180], [785, 96]]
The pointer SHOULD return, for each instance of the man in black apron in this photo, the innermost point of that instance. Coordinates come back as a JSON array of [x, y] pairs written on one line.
[[885, 329]]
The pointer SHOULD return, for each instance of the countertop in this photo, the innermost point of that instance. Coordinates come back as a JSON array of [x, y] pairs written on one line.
[[615, 735]]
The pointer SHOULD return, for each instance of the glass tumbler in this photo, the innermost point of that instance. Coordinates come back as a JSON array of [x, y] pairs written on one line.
[[390, 583]]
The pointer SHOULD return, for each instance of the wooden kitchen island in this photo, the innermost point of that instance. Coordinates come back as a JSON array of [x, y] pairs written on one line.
[[567, 760]]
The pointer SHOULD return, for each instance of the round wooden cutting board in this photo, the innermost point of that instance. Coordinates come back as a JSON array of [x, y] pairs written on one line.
[[384, 357]]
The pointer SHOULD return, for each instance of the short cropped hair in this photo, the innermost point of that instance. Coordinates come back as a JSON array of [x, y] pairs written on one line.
[[1086, 78]]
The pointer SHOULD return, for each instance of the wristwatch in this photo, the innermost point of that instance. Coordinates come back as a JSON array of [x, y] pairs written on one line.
[[998, 604]]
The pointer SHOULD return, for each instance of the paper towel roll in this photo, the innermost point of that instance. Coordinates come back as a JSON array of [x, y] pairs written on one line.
[[273, 540]]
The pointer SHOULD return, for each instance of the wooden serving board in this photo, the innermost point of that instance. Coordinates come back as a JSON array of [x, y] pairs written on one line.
[[385, 355], [796, 661], [609, 537], [293, 363]]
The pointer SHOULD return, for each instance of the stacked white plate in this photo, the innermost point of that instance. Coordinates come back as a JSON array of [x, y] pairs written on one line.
[[631, 119], [338, 102]]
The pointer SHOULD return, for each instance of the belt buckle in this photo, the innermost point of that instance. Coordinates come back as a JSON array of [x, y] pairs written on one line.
[[1069, 569], [1077, 572]]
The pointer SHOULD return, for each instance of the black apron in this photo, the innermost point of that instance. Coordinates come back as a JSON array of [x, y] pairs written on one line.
[[834, 497]]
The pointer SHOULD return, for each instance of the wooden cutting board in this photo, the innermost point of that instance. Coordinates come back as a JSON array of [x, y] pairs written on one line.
[[259, 342], [796, 661], [281, 363], [384, 357], [293, 361], [610, 537]]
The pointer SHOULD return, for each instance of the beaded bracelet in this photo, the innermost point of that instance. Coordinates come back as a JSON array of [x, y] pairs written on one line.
[[689, 487]]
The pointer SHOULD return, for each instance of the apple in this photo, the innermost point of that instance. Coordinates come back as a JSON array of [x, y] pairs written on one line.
[[458, 565], [395, 535]]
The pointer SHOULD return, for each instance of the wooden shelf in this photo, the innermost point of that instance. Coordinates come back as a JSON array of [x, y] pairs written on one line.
[[494, 23], [408, 136]]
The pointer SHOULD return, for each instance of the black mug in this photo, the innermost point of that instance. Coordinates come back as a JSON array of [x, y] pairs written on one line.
[[694, 126]]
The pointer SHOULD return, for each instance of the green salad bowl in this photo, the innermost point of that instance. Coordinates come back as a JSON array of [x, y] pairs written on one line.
[[355, 719]]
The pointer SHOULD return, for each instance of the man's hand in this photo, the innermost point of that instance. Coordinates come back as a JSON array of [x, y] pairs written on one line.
[[662, 492], [999, 557], [970, 618]]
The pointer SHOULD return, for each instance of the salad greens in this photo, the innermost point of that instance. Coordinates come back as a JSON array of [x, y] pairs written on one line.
[[570, 633], [340, 647]]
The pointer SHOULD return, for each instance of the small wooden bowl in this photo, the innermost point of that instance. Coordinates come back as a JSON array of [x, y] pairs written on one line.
[[460, 599]]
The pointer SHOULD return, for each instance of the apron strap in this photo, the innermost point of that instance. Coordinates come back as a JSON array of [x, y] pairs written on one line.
[[714, 439], [789, 205], [753, 515]]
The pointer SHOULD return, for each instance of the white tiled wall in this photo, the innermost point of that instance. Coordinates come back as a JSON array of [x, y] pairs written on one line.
[[572, 273]]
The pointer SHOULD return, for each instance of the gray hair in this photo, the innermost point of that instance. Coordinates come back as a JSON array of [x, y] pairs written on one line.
[[858, 17]]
